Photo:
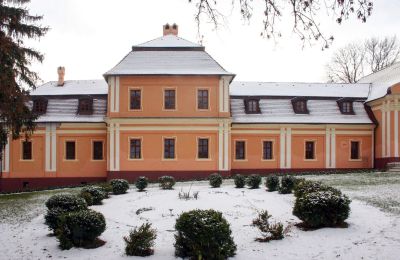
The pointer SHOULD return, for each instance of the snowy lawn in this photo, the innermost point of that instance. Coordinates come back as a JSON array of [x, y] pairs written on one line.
[[372, 233]]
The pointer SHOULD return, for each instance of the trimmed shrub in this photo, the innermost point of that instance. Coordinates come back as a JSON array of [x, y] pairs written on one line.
[[272, 183], [80, 229], [119, 186], [322, 209], [140, 241], [66, 202], [167, 182], [203, 234], [287, 184], [240, 180], [106, 187], [52, 217], [141, 183], [93, 195], [253, 181], [215, 180], [305, 187], [269, 231]]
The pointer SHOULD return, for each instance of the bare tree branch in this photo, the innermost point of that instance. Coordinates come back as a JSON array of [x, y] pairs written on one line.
[[382, 53]]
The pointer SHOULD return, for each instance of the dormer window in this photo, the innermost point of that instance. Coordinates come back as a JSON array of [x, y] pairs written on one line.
[[39, 106], [346, 107], [85, 106], [252, 106], [300, 106]]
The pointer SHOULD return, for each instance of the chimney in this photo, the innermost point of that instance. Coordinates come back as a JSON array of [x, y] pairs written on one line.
[[61, 73], [170, 29]]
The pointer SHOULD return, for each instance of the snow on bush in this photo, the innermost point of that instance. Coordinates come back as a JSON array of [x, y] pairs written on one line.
[[269, 231], [287, 184], [215, 180], [253, 181], [119, 186], [272, 183], [93, 195], [203, 234], [167, 182], [322, 209], [141, 183], [305, 187], [140, 241], [240, 181]]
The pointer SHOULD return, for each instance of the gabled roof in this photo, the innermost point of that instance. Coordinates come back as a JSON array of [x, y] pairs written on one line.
[[169, 41], [72, 87]]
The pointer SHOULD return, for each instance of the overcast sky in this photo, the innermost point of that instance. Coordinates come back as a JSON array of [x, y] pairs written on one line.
[[90, 37]]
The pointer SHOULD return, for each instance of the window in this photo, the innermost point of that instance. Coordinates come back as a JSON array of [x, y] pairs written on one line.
[[202, 149], [300, 106], [240, 150], [346, 107], [85, 106], [268, 150], [355, 150], [169, 148], [310, 150], [26, 150], [70, 152], [169, 99], [202, 99], [252, 106], [98, 150], [136, 102], [135, 149], [39, 106]]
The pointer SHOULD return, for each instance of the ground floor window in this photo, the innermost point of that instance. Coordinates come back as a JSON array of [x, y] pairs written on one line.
[[355, 150], [202, 149], [135, 149], [268, 150], [70, 151], [169, 148], [26, 150], [98, 150], [240, 150], [310, 150]]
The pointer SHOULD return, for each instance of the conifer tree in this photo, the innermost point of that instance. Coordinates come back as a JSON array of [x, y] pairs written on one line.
[[16, 78]]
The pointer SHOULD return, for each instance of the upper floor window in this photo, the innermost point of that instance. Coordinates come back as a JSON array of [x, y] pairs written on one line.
[[202, 149], [202, 99], [268, 150], [70, 150], [169, 99], [98, 150], [310, 150], [346, 107], [169, 148], [135, 149], [26, 150], [252, 106], [300, 106], [85, 106], [39, 106], [240, 150], [355, 150], [135, 99]]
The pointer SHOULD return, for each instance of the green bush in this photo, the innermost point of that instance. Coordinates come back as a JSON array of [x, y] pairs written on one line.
[[167, 182], [272, 183], [66, 202], [240, 180], [80, 229], [140, 241], [215, 180], [93, 195], [322, 209], [269, 231], [52, 217], [287, 184], [305, 187], [203, 234], [119, 186], [253, 181], [106, 187], [141, 183]]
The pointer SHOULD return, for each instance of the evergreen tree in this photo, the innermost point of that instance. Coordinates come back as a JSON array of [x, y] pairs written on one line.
[[16, 78]]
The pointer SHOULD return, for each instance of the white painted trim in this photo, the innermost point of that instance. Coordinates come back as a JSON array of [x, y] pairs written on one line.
[[396, 130], [47, 148], [111, 149], [112, 94], [333, 148], [308, 132], [220, 147], [6, 157], [53, 165], [373, 150], [226, 146], [116, 94], [226, 95], [82, 131], [388, 135], [221, 95], [383, 125], [117, 147], [169, 128], [338, 132], [282, 148], [288, 148], [327, 149]]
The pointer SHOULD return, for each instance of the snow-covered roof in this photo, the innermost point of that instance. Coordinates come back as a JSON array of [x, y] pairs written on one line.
[[168, 55], [72, 87], [281, 111], [238, 88], [382, 80]]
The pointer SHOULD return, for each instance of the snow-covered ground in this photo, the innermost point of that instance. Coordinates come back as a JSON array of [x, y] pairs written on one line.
[[372, 233]]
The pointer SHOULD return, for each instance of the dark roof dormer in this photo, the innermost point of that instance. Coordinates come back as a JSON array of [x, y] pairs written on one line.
[[85, 106], [39, 106], [300, 105], [252, 106], [346, 106]]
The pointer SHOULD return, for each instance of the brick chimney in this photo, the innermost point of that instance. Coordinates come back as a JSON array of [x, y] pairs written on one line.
[[61, 74], [170, 29]]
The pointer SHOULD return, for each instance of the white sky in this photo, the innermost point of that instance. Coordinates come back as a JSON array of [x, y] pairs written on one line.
[[89, 37]]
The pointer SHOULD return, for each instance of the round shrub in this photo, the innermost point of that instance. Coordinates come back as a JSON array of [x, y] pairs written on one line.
[[52, 217], [140, 241], [80, 229], [106, 187], [167, 182], [253, 181], [141, 183], [322, 209], [93, 195], [272, 183], [203, 234], [287, 184], [66, 202], [240, 181], [305, 187], [119, 186], [215, 180]]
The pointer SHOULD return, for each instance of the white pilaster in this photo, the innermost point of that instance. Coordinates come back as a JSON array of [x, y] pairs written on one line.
[[111, 144], [226, 95], [333, 148], [282, 148], [6, 157], [47, 158], [117, 94], [117, 142], [226, 146], [53, 134], [221, 95], [383, 126], [388, 131], [288, 148], [327, 148], [220, 147], [396, 129], [111, 84]]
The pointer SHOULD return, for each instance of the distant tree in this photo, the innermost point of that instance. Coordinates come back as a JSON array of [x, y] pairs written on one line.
[[355, 60], [16, 78], [304, 14]]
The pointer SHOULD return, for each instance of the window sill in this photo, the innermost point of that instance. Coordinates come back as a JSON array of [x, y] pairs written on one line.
[[97, 160], [240, 160], [268, 160], [65, 160], [139, 159], [310, 160], [23, 160], [355, 160], [203, 159], [169, 160]]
